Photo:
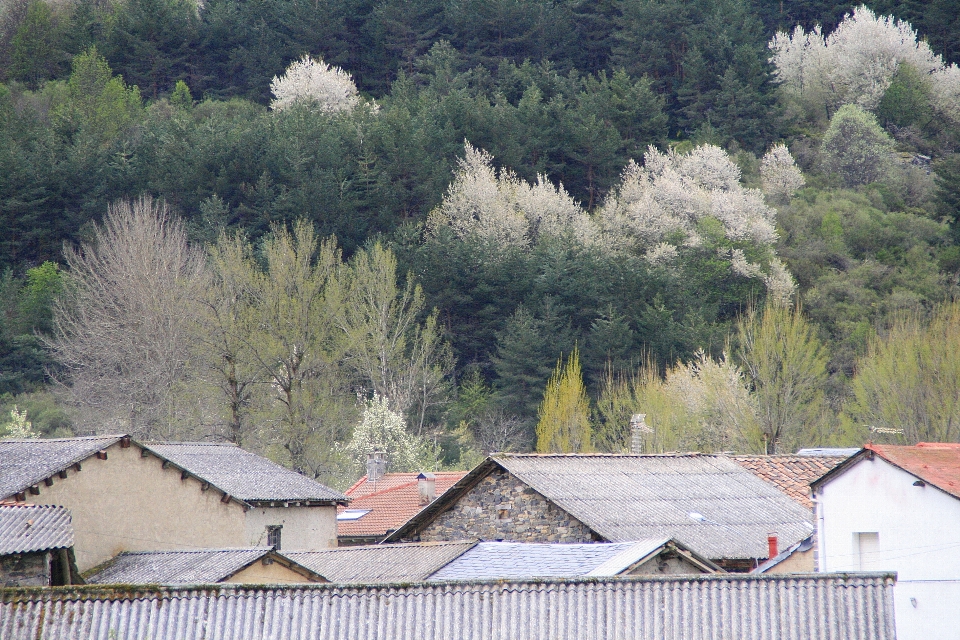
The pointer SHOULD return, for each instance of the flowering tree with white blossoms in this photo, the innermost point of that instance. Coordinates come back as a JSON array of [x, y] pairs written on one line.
[[330, 89], [856, 63], [672, 192], [779, 174], [499, 206], [383, 429]]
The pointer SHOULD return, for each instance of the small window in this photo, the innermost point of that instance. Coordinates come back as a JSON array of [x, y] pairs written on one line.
[[351, 514], [273, 536]]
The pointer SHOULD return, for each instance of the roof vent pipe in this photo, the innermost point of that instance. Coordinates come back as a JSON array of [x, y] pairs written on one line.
[[426, 488], [772, 549], [376, 465]]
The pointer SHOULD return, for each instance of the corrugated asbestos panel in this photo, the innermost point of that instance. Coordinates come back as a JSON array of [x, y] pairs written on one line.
[[380, 563], [26, 528], [242, 474], [192, 566], [26, 463], [633, 497], [802, 607]]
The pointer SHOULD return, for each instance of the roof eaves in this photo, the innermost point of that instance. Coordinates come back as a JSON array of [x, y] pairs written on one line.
[[36, 479], [430, 512], [186, 473], [841, 468]]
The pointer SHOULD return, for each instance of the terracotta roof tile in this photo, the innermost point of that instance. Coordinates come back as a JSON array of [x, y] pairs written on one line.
[[937, 463], [392, 500], [790, 473]]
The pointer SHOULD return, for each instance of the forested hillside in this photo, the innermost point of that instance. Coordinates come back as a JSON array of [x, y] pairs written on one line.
[[319, 227]]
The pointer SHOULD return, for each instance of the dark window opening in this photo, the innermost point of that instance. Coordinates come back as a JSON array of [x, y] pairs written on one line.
[[273, 536]]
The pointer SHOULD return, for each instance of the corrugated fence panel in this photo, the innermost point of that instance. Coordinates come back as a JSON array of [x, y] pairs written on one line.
[[760, 607]]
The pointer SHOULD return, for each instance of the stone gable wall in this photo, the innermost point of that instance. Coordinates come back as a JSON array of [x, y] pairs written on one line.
[[502, 507], [25, 570]]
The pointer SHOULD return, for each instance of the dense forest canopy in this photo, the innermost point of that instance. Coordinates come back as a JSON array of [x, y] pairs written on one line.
[[319, 227]]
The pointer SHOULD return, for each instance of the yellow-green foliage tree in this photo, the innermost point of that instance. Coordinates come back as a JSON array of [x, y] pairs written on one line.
[[786, 365], [910, 379], [564, 425]]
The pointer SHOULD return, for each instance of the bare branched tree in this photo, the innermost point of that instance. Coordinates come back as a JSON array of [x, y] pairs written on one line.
[[122, 329]]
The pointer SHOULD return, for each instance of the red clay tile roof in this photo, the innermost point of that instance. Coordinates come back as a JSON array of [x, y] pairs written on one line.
[[790, 474], [392, 500], [937, 463]]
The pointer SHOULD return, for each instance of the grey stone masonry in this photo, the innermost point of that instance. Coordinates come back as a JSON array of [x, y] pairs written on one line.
[[502, 507], [25, 570]]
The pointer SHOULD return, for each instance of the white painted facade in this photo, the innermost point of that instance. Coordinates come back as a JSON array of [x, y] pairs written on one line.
[[872, 517]]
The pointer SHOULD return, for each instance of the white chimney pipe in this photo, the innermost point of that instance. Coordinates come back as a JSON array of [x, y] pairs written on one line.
[[426, 488]]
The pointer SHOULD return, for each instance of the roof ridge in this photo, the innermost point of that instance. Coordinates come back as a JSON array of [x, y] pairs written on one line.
[[72, 439], [184, 443], [202, 550], [382, 491]]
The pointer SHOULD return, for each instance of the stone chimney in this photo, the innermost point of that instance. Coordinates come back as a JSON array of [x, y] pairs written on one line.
[[426, 488], [772, 546], [638, 427], [376, 465]]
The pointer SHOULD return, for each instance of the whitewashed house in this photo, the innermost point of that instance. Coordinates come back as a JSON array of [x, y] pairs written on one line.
[[896, 508]]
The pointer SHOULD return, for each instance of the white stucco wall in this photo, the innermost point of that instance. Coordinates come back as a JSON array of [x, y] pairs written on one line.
[[304, 528], [131, 503], [919, 538]]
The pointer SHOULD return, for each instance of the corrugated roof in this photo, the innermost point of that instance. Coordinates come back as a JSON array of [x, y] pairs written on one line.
[[380, 563], [522, 560], [392, 500], [26, 528], [791, 474], [26, 463], [635, 497], [936, 463], [191, 566], [797, 607], [241, 474]]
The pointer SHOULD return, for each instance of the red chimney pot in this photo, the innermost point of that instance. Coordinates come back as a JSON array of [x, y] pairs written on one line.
[[772, 545]]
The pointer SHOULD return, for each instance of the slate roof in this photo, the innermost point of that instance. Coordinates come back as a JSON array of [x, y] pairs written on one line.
[[243, 475], [25, 463], [381, 563], [791, 474], [635, 497], [27, 527], [795, 607], [392, 500], [190, 566], [936, 463], [524, 560]]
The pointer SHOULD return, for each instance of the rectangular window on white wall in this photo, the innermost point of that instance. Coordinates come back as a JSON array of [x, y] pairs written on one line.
[[866, 550]]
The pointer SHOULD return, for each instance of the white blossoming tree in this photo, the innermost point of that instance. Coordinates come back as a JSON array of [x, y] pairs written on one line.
[[383, 429], [666, 198], [329, 89], [779, 174], [500, 207], [19, 427], [673, 196], [856, 63]]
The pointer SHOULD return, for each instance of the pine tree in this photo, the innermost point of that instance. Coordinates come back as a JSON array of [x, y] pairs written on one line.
[[564, 425]]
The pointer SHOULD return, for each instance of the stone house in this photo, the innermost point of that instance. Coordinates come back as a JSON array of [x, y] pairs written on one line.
[[709, 503], [36, 546], [130, 496]]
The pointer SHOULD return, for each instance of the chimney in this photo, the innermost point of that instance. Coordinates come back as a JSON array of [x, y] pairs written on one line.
[[426, 488], [637, 428], [772, 545], [376, 465]]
